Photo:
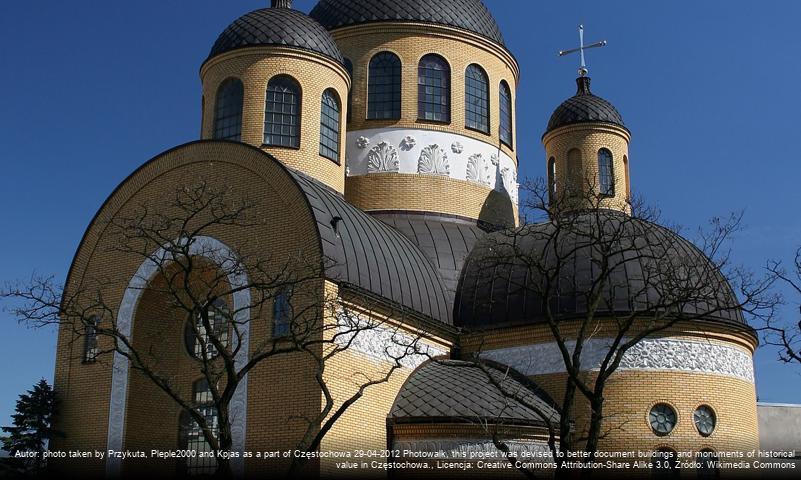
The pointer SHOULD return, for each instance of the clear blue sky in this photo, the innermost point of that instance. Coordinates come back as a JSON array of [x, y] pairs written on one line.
[[92, 89]]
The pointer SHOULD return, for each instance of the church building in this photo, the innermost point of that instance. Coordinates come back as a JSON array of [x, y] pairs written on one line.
[[378, 138]]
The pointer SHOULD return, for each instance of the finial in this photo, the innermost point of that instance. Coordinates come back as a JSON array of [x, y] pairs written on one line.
[[583, 68], [281, 4]]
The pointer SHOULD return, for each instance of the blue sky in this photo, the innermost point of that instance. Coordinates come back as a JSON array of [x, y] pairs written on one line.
[[92, 89]]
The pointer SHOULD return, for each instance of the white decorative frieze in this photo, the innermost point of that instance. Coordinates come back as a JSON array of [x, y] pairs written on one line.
[[649, 354], [382, 158], [433, 160]]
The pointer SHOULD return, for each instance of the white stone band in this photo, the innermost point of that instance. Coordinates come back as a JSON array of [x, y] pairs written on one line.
[[222, 255], [428, 152], [649, 354]]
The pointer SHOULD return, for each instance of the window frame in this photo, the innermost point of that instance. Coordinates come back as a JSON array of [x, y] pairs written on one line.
[[375, 88], [191, 436], [608, 174], [446, 91], [332, 94], [90, 348], [191, 340], [484, 77], [291, 82], [283, 300], [222, 111], [508, 117]]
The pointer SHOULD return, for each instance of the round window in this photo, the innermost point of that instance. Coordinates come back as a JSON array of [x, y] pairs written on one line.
[[704, 418], [662, 418]]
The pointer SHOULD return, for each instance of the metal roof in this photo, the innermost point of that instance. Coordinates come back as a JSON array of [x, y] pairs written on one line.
[[470, 15], [584, 107], [461, 391], [277, 26], [369, 254], [506, 275]]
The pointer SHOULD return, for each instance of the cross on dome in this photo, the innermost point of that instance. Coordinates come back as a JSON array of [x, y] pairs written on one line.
[[583, 68]]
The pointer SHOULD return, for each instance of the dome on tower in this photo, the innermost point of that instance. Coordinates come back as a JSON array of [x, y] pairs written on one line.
[[279, 26], [471, 15], [584, 107], [508, 273]]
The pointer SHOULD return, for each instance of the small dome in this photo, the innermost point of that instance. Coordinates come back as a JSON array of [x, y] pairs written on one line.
[[277, 26], [584, 107], [503, 282], [455, 391], [469, 15]]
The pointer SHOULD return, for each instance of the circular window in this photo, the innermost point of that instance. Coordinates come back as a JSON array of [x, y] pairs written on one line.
[[704, 418], [662, 418]]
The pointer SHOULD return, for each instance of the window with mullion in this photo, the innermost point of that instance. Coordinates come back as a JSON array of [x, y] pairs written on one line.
[[329, 126], [282, 113], [476, 99], [228, 110], [434, 89], [506, 113], [384, 87]]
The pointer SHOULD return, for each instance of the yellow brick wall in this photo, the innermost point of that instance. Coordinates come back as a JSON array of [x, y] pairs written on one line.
[[430, 193], [315, 73], [589, 138], [410, 43]]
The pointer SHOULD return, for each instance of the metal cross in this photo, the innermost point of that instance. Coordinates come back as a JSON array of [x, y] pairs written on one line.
[[583, 69]]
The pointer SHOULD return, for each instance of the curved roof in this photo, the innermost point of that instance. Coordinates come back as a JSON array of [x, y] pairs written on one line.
[[471, 15], [366, 253], [277, 26], [511, 276], [458, 391], [584, 107]]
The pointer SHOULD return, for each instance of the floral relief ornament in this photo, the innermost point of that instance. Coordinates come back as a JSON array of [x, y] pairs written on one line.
[[474, 170], [362, 142], [433, 160], [382, 158], [408, 143], [457, 147]]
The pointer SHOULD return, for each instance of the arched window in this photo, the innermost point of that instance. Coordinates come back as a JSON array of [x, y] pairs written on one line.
[[282, 312], [198, 338], [708, 465], [476, 98], [606, 175], [506, 113], [575, 173], [90, 349], [228, 110], [434, 89], [349, 68], [552, 180], [329, 125], [384, 87], [628, 178], [282, 112], [191, 435]]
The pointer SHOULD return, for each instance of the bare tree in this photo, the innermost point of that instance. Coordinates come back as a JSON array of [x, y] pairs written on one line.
[[198, 282], [785, 335], [590, 272]]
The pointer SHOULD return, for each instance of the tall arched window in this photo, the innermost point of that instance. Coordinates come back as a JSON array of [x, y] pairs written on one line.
[[628, 178], [282, 112], [384, 87], [90, 349], [552, 180], [282, 312], [349, 68], [228, 110], [191, 435], [476, 98], [329, 125], [506, 113], [434, 89], [606, 176], [198, 338]]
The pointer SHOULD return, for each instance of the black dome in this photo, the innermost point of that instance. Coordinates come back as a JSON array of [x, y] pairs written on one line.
[[584, 107], [504, 280], [469, 15], [277, 26]]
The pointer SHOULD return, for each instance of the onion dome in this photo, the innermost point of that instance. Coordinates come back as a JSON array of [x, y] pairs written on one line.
[[584, 107], [279, 26], [471, 15], [510, 276]]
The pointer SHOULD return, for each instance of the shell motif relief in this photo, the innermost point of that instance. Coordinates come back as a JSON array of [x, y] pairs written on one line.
[[433, 160], [382, 158]]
